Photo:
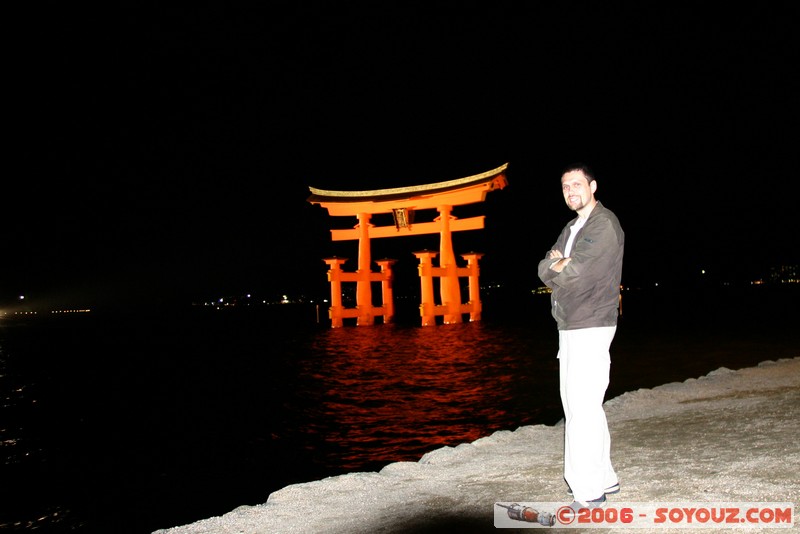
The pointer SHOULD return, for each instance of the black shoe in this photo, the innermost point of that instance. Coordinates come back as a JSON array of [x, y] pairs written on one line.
[[599, 502]]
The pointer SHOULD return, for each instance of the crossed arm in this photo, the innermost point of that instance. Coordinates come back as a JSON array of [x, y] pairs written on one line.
[[562, 262]]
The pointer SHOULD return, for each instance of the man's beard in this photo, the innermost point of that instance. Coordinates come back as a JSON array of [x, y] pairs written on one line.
[[578, 205]]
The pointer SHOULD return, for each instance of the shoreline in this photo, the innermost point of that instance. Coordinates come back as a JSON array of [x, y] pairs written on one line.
[[728, 436]]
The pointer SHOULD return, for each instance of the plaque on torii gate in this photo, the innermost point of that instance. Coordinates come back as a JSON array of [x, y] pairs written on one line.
[[402, 203]]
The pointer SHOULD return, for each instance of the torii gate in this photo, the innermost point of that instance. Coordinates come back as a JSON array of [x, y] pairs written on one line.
[[402, 202]]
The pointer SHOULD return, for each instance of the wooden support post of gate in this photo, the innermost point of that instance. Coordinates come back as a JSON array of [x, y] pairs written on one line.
[[336, 311], [475, 305]]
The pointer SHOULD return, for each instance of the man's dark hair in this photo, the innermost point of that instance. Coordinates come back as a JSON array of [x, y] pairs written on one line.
[[587, 172]]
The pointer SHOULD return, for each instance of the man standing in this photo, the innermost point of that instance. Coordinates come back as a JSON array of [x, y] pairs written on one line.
[[583, 270]]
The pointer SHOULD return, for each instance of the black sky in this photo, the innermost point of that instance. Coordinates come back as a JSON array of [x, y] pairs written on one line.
[[170, 150]]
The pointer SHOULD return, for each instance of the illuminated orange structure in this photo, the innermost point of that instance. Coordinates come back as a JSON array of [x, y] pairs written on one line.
[[402, 203]]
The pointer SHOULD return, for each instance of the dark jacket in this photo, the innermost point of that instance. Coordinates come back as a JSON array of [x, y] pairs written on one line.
[[586, 292]]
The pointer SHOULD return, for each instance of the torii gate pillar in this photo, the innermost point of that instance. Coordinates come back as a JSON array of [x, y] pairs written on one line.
[[387, 292], [364, 285], [335, 272], [427, 307], [473, 271], [448, 285]]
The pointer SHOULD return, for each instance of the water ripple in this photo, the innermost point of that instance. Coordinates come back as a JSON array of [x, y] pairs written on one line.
[[391, 393]]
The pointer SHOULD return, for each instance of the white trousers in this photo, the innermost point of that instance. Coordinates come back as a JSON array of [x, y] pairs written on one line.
[[584, 365]]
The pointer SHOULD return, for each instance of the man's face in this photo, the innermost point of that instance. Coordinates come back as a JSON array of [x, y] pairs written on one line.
[[578, 192]]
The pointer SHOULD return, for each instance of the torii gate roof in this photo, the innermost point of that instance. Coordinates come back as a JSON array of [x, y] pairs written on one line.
[[466, 190]]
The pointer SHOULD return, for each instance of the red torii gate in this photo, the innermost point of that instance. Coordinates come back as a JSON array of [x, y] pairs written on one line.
[[402, 203]]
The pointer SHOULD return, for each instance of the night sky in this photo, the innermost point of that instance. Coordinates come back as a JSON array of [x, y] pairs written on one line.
[[166, 153]]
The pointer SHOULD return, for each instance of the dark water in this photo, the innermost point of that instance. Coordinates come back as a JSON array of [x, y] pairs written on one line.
[[132, 423]]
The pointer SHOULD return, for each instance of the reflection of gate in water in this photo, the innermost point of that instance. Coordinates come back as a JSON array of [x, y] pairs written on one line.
[[370, 396], [402, 203]]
